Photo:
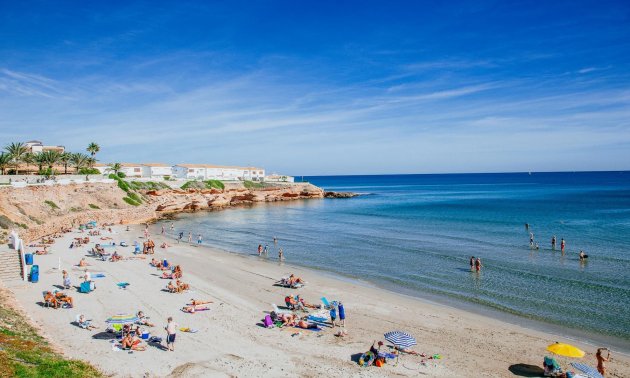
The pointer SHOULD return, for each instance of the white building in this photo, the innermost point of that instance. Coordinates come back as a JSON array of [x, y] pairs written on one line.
[[279, 178], [217, 172], [35, 146], [129, 169], [156, 170]]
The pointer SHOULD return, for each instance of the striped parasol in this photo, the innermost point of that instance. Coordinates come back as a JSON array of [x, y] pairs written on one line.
[[122, 319], [589, 371], [400, 339]]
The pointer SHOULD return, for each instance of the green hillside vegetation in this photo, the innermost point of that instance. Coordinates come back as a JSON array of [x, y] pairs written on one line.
[[209, 184]]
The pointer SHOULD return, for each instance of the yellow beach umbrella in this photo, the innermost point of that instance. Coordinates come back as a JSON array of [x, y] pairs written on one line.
[[565, 350]]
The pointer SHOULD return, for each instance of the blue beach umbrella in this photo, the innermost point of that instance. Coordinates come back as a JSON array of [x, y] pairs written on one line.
[[400, 339], [589, 371]]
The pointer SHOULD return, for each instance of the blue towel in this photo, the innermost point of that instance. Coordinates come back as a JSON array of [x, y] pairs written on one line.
[[98, 275]]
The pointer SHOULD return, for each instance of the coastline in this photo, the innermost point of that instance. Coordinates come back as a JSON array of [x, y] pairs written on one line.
[[557, 330], [230, 342]]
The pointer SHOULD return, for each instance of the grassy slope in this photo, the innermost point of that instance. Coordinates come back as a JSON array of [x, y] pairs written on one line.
[[23, 353]]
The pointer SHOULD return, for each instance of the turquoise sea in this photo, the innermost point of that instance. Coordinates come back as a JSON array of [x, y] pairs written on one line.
[[414, 234]]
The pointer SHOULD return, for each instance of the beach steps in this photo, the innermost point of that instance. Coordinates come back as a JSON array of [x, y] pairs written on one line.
[[10, 265]]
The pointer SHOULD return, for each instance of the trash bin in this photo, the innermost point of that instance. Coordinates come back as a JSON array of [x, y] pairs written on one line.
[[35, 273], [28, 258]]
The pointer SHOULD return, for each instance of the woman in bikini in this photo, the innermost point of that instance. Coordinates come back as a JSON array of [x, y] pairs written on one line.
[[601, 368]]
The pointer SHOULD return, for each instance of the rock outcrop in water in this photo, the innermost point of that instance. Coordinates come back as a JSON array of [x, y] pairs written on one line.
[[340, 194]]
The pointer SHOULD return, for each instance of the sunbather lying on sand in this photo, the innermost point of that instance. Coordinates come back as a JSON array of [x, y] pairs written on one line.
[[287, 319], [83, 262], [294, 280], [42, 251], [192, 309], [306, 325], [144, 320], [164, 245], [194, 302], [171, 288], [85, 324], [155, 263], [115, 257]]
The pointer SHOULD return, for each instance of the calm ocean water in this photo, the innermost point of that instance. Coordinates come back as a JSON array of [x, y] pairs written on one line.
[[415, 234]]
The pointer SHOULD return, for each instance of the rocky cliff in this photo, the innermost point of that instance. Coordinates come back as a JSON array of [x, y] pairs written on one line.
[[36, 211]]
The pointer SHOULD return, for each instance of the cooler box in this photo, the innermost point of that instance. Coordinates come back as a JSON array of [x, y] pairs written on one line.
[[86, 287], [28, 258], [35, 274]]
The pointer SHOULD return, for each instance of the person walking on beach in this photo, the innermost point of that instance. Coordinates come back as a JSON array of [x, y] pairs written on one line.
[[478, 264], [171, 332], [190, 237], [562, 244], [260, 249], [601, 368], [199, 239], [280, 255], [553, 242], [181, 236], [342, 315], [472, 263]]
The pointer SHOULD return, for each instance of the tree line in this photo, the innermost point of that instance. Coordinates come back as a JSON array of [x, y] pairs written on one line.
[[17, 155]]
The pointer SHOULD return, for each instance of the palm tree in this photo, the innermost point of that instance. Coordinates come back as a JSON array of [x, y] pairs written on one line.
[[5, 161], [93, 148], [28, 159], [17, 152], [79, 160], [50, 158], [64, 159], [115, 167], [40, 160]]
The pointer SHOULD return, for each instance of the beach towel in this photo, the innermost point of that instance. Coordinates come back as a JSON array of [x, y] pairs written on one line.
[[309, 329], [123, 285], [189, 330], [98, 275]]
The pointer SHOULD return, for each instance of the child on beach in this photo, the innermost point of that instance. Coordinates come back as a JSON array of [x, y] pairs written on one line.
[[171, 333]]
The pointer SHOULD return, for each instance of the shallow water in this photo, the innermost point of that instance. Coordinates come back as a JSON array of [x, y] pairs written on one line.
[[416, 233]]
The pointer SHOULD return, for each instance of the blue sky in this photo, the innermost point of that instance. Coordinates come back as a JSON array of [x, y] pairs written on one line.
[[343, 87]]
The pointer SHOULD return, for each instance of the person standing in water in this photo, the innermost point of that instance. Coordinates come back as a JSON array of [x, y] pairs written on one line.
[[181, 236], [553, 242], [275, 240], [562, 245], [260, 250], [531, 239], [190, 237], [478, 264], [172, 227], [280, 255], [472, 263], [163, 230], [266, 250]]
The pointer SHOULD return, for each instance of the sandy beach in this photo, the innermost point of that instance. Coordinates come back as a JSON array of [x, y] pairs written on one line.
[[231, 341]]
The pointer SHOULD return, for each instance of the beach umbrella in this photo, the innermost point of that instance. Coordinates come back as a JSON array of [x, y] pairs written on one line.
[[589, 371], [400, 339], [122, 319], [565, 350]]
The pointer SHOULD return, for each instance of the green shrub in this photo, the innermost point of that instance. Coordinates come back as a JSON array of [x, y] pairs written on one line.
[[252, 185], [131, 201], [121, 174], [76, 209], [112, 176], [134, 196], [214, 184], [93, 206], [47, 172], [24, 226], [89, 171], [51, 204], [123, 185]]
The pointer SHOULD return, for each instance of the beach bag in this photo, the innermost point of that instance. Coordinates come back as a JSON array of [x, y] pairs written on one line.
[[268, 322]]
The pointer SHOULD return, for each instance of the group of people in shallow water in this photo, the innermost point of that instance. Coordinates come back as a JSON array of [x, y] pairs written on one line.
[[554, 241]]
